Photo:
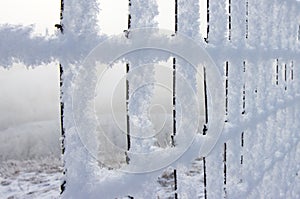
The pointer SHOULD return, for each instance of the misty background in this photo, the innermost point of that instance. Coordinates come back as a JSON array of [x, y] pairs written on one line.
[[29, 99]]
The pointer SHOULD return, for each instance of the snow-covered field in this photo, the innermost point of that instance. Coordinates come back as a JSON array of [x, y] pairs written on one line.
[[40, 178], [30, 141], [30, 165]]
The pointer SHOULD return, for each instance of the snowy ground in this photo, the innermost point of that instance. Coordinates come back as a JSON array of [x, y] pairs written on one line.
[[30, 179], [30, 165], [39, 175]]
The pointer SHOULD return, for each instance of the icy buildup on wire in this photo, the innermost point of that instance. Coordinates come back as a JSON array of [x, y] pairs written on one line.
[[17, 44], [141, 80], [79, 38]]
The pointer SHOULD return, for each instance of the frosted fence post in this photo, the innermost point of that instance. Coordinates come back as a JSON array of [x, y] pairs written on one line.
[[229, 20], [204, 178], [176, 16], [127, 109], [285, 77], [207, 21], [244, 89], [174, 99], [277, 71], [292, 70], [61, 71], [205, 128], [129, 15], [226, 89], [174, 80], [175, 183], [236, 23], [225, 169], [298, 33], [127, 89], [174, 103], [246, 21], [242, 156], [243, 114]]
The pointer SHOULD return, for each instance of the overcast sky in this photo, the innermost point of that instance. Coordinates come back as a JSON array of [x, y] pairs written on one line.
[[45, 13]]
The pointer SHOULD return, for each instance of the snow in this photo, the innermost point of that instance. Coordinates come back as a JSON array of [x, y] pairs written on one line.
[[141, 72], [30, 141], [257, 154], [143, 13], [85, 121], [218, 22], [18, 45], [30, 165], [268, 124], [30, 179]]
